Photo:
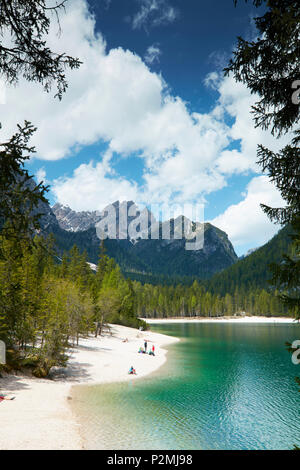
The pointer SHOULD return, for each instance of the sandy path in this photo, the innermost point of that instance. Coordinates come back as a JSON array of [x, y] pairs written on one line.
[[40, 417]]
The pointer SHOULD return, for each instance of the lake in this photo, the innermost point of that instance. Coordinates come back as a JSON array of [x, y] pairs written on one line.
[[224, 386]]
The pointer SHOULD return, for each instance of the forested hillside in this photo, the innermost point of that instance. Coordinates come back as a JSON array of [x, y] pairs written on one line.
[[253, 271], [154, 261], [241, 288], [182, 301], [46, 304]]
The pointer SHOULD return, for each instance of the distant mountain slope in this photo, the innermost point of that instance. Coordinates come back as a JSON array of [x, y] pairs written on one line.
[[252, 271], [153, 258], [139, 258], [249, 252], [161, 261], [145, 258], [170, 258], [89, 242], [74, 221]]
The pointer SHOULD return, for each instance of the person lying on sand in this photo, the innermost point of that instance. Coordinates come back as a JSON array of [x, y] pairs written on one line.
[[152, 351], [2, 397]]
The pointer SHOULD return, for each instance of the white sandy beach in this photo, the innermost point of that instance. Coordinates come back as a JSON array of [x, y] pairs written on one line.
[[41, 418], [245, 319]]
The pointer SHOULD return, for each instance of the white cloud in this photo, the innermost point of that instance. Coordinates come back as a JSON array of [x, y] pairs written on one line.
[[154, 13], [236, 101], [219, 59], [90, 187], [40, 176], [246, 223], [153, 54], [115, 98]]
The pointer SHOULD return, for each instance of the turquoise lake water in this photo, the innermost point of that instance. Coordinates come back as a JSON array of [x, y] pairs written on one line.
[[224, 386]]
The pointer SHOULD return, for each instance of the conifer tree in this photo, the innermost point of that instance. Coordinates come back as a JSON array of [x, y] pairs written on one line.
[[286, 275], [269, 66]]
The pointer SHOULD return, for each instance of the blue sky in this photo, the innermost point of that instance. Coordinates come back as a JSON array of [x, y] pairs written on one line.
[[150, 116]]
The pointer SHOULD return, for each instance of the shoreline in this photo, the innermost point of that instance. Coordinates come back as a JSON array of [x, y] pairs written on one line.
[[41, 418], [246, 319]]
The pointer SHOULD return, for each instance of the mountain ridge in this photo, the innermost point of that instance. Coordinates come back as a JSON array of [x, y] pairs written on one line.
[[142, 256], [170, 262]]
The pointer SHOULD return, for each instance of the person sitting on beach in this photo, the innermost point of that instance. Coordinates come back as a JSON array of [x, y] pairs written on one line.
[[141, 351], [132, 371]]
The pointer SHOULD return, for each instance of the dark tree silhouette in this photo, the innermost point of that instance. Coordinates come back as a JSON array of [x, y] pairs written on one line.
[[269, 66], [19, 195], [24, 25]]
